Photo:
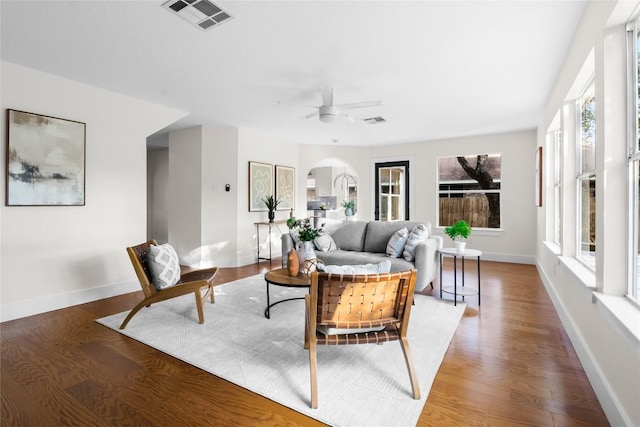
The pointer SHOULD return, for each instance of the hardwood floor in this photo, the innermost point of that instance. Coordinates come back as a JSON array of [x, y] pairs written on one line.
[[510, 364]]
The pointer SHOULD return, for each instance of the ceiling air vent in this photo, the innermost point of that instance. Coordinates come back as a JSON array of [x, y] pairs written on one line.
[[374, 120], [201, 13]]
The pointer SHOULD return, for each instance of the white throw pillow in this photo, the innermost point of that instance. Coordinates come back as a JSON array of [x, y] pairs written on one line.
[[418, 234], [383, 267], [340, 331], [324, 242], [163, 264], [397, 242]]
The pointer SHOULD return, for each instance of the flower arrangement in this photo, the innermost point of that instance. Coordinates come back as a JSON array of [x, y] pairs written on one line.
[[348, 204], [458, 230]]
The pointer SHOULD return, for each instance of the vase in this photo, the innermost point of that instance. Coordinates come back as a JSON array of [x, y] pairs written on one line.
[[305, 252], [272, 216], [348, 212], [293, 264], [460, 245]]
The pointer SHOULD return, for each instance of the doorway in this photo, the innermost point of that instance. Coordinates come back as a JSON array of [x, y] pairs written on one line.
[[392, 191]]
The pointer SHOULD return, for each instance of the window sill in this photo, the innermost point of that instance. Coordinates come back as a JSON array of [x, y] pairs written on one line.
[[625, 311], [553, 247], [476, 231], [584, 274]]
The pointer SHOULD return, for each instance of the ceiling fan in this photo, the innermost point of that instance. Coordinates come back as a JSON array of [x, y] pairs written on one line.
[[328, 111]]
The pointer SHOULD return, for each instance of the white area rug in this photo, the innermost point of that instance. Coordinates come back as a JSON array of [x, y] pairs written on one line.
[[359, 385]]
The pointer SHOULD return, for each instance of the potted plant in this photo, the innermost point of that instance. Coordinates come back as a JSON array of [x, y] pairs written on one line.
[[306, 234], [348, 206], [271, 203], [459, 233]]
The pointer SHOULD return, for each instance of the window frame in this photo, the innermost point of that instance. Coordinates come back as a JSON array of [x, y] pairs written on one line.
[[633, 158]]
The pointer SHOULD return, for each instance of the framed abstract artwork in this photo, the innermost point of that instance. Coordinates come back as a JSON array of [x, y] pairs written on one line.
[[285, 187], [260, 185], [45, 160]]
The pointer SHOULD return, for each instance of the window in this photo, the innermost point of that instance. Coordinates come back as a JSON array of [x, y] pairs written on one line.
[[555, 139], [469, 189], [392, 191], [586, 178], [634, 161]]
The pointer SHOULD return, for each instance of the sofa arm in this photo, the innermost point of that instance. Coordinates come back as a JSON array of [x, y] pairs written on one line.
[[287, 245], [426, 261]]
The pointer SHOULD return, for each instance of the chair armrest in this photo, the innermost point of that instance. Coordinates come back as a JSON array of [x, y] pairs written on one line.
[[426, 261], [287, 245]]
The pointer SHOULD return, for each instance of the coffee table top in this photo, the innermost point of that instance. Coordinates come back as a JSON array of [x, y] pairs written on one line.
[[281, 277]]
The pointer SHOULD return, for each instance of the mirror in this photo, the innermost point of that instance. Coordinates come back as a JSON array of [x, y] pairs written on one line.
[[330, 183]]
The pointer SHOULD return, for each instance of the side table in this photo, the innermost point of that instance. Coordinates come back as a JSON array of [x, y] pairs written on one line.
[[456, 289], [270, 226], [280, 277]]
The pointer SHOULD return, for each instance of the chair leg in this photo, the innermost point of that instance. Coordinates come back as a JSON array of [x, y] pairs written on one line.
[[213, 299], [404, 343], [313, 372], [199, 306], [133, 311]]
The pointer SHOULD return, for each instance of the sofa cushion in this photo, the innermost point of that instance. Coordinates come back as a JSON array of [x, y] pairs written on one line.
[[379, 233], [396, 243], [418, 234], [163, 264], [324, 242], [350, 235]]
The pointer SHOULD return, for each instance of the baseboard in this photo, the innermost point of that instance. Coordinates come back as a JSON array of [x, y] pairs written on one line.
[[514, 259], [47, 303], [613, 410]]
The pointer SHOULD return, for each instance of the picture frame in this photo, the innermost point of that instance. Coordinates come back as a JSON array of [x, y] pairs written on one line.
[[538, 184], [285, 187], [260, 185], [45, 160]]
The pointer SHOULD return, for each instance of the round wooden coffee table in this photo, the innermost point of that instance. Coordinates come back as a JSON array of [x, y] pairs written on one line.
[[281, 277]]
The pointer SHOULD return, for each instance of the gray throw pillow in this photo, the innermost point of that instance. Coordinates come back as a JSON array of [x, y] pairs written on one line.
[[163, 264], [324, 242], [418, 234], [383, 267], [397, 242]]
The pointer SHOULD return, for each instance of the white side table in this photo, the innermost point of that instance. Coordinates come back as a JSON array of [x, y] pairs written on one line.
[[456, 289]]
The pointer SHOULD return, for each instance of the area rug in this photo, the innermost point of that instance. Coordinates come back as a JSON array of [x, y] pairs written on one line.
[[359, 385]]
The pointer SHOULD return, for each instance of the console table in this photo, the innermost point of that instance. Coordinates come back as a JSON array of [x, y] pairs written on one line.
[[270, 226], [461, 289]]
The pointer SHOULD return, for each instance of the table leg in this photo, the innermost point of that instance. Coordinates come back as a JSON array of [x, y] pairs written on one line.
[[440, 276], [455, 280], [267, 312], [462, 275], [478, 280]]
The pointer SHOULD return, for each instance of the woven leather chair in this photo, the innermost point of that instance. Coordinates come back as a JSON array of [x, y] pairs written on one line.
[[189, 282], [353, 302]]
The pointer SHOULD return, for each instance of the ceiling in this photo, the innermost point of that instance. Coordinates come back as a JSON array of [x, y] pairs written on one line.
[[443, 68]]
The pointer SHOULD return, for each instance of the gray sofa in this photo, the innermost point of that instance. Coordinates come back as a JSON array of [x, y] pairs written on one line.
[[364, 242]]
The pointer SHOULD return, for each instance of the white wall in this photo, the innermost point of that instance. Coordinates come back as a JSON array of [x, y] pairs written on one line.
[[608, 350], [516, 243], [158, 194], [53, 257]]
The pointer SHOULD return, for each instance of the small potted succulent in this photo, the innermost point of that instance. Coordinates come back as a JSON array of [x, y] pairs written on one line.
[[271, 203], [459, 233]]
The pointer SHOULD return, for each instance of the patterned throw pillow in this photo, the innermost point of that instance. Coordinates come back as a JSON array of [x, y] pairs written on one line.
[[418, 234], [397, 242], [163, 264], [324, 242]]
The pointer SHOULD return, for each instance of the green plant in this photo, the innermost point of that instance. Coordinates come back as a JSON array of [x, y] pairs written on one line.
[[306, 231], [271, 202], [459, 229], [348, 204]]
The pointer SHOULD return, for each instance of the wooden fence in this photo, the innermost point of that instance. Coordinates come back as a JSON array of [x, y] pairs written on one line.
[[473, 209]]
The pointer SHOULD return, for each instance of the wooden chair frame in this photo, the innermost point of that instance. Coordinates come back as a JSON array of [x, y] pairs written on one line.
[[359, 301], [190, 282]]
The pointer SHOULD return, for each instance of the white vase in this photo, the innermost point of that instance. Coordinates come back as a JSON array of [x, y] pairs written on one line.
[[460, 245], [306, 251]]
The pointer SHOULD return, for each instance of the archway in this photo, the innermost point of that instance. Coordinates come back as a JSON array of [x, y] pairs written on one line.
[[331, 183]]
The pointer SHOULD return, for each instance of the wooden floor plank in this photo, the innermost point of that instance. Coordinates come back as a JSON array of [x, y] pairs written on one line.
[[510, 363]]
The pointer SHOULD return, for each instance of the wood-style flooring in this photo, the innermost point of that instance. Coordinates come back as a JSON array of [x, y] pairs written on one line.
[[510, 364]]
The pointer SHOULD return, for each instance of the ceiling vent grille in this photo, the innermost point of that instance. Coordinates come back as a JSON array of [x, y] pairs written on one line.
[[374, 120], [201, 13]]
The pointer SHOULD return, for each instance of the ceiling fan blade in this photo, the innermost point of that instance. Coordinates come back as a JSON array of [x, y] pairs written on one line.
[[327, 96], [346, 116], [364, 104], [315, 113]]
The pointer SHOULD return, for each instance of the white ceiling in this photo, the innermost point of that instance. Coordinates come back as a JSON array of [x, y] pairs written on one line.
[[443, 68]]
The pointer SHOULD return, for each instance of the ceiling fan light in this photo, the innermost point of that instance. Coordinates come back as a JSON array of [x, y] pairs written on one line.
[[328, 113]]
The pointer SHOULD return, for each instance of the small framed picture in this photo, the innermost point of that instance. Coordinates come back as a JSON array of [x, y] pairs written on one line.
[[260, 185], [285, 187]]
